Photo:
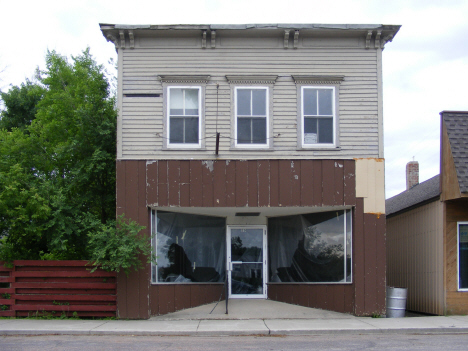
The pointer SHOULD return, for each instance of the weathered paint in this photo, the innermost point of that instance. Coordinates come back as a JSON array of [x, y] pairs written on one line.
[[262, 183]]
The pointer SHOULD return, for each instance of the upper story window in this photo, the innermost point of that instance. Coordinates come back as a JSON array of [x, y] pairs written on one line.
[[184, 119], [251, 110], [184, 107], [318, 116], [251, 106]]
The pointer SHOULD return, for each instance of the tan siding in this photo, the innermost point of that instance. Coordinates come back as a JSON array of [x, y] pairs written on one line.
[[144, 117], [415, 256]]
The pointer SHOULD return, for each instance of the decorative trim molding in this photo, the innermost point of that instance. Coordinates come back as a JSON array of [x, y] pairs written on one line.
[[203, 42], [286, 38], [122, 38], [113, 40], [253, 79], [368, 38], [318, 79], [385, 40], [213, 39], [296, 39], [377, 39], [184, 79], [132, 39]]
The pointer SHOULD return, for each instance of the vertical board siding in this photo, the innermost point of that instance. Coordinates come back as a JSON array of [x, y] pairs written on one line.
[[132, 187], [55, 288], [415, 256], [332, 297], [259, 183], [167, 298], [358, 257], [143, 117]]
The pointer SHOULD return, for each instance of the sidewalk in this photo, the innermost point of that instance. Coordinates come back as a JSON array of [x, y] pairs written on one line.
[[246, 317]]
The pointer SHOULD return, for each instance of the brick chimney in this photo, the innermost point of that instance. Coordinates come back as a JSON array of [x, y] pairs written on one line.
[[412, 174]]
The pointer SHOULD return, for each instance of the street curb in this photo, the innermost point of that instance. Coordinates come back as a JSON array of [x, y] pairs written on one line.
[[426, 331]]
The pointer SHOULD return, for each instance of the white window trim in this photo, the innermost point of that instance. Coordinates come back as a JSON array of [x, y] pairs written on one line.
[[200, 118], [335, 119], [253, 146], [458, 256]]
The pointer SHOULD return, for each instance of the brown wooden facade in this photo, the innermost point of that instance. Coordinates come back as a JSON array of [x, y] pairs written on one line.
[[455, 210], [142, 185], [456, 302]]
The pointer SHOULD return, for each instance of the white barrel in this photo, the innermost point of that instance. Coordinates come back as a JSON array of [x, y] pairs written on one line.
[[396, 302]]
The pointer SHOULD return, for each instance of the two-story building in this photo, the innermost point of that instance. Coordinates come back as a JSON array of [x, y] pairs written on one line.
[[253, 152]]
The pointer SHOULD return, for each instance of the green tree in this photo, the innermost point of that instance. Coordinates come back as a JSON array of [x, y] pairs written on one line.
[[20, 105], [57, 162], [118, 246]]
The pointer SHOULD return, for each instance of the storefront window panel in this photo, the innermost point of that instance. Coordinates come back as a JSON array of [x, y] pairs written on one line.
[[313, 248], [189, 248]]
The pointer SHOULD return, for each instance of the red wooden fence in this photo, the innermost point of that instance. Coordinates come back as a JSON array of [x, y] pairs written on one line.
[[56, 288]]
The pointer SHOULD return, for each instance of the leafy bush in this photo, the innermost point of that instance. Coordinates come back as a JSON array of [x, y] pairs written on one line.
[[119, 245]]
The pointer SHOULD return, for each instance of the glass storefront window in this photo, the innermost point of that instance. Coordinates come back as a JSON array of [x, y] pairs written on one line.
[[313, 248], [188, 247]]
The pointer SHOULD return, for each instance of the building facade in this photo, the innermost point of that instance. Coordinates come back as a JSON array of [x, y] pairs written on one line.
[[253, 154], [427, 229]]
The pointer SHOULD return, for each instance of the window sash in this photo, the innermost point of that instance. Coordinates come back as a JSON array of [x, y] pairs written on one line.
[[318, 116], [184, 116], [251, 116]]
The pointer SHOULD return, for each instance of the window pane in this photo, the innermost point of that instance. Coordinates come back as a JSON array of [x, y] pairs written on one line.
[[191, 130], [176, 132], [177, 103], [247, 245], [310, 125], [325, 102], [243, 102], [463, 256], [307, 248], [244, 128], [310, 102], [247, 278], [190, 248], [325, 127], [259, 102], [310, 131], [191, 101], [258, 130]]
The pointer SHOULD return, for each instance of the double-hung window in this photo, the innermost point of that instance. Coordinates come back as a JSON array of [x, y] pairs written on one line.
[[251, 114], [184, 116], [318, 117]]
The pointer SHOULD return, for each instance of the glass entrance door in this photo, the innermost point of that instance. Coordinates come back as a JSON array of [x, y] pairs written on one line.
[[246, 261]]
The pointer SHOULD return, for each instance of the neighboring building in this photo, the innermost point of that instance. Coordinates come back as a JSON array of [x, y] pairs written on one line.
[[257, 150], [427, 229]]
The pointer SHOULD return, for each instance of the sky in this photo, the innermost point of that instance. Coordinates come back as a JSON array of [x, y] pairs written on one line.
[[425, 68]]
